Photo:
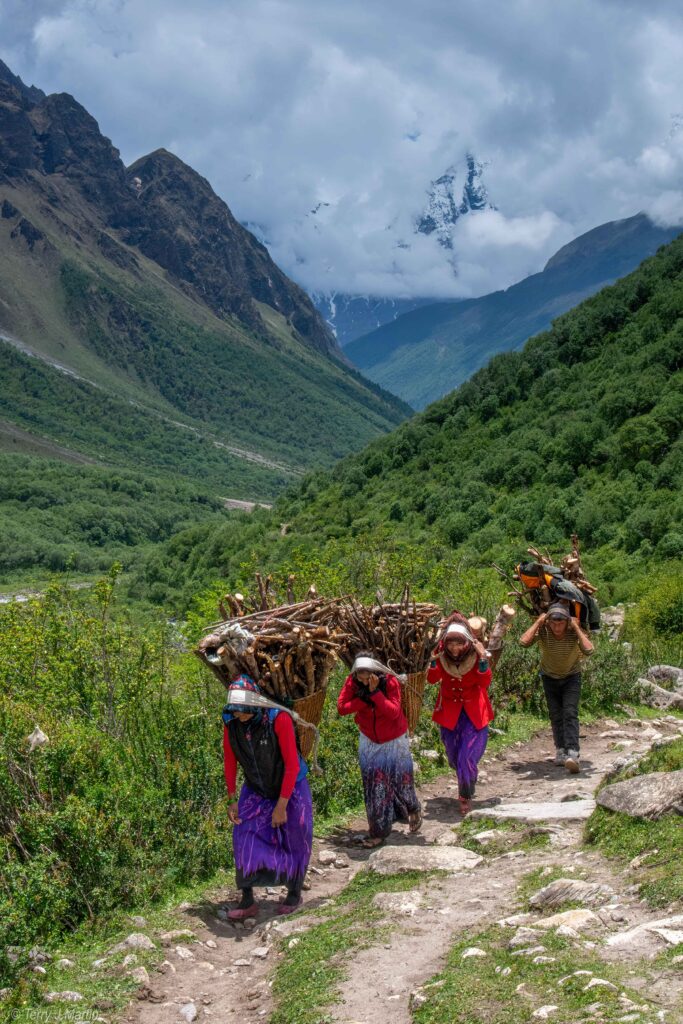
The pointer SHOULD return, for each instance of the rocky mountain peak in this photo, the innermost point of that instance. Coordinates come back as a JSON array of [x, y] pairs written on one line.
[[191, 232], [30, 93], [159, 204], [448, 200]]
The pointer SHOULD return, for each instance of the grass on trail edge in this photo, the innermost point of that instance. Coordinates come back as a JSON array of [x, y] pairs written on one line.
[[659, 843], [477, 990], [110, 982], [307, 979]]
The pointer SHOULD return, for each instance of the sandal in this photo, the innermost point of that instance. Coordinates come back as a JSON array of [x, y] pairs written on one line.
[[415, 821], [372, 842], [465, 805], [288, 908]]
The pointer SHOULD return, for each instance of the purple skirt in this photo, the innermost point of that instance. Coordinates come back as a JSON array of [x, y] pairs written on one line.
[[273, 856], [465, 746]]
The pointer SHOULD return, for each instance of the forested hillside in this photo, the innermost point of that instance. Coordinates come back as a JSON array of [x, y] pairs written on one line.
[[579, 431], [143, 330], [426, 353]]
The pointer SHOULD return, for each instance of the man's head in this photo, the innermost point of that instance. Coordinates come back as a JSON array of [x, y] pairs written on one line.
[[558, 617]]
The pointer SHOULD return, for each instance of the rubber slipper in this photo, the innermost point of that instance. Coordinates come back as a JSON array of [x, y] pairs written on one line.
[[372, 843], [465, 805], [289, 908], [241, 913]]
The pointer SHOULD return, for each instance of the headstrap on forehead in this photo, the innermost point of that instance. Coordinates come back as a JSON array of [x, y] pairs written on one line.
[[241, 693], [455, 629], [367, 664]]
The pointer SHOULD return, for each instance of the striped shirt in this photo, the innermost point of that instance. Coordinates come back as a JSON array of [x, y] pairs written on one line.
[[560, 655]]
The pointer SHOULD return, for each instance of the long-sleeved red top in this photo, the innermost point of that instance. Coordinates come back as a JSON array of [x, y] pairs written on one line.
[[381, 719], [469, 692], [284, 730]]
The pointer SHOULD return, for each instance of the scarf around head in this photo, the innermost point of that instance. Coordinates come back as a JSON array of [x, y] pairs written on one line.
[[242, 682], [364, 663], [466, 660]]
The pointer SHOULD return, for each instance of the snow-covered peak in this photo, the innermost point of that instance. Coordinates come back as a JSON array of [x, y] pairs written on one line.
[[455, 193]]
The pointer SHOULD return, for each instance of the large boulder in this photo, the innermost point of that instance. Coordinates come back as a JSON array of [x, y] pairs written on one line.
[[392, 860], [570, 890], [669, 695], [645, 796]]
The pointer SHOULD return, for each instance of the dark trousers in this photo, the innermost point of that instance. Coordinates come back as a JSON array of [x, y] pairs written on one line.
[[562, 697]]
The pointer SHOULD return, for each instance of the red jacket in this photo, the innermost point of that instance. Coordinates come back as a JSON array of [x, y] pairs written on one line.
[[468, 692], [380, 720]]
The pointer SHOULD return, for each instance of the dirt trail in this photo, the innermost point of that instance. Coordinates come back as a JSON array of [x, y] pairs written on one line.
[[225, 974]]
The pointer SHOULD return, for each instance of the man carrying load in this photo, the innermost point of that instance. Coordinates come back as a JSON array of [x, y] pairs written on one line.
[[563, 646]]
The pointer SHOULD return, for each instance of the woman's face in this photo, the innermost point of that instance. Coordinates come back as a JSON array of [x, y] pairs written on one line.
[[455, 645], [243, 716], [558, 627], [363, 676]]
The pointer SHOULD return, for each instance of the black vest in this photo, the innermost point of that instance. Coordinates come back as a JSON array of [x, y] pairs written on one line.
[[256, 747]]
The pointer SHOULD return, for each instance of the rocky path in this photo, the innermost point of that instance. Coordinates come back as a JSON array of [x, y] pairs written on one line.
[[220, 972]]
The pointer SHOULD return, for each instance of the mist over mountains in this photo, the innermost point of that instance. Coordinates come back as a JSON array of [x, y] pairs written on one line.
[[426, 353], [458, 191]]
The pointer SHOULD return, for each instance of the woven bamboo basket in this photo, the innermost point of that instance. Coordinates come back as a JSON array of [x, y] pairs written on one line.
[[412, 692], [311, 710]]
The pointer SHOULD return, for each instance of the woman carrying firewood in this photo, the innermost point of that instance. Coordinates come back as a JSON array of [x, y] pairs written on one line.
[[273, 818], [373, 696], [463, 709]]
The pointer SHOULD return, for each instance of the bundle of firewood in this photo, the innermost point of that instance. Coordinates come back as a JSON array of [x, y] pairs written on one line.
[[288, 650], [402, 634], [236, 605], [532, 583]]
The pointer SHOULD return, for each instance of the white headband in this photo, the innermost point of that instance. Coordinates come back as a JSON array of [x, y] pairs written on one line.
[[369, 665], [456, 629]]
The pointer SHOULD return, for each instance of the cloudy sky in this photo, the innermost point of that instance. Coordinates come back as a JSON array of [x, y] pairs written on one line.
[[575, 107]]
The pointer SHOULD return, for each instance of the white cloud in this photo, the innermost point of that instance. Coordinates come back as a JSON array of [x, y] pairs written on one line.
[[284, 104], [667, 209]]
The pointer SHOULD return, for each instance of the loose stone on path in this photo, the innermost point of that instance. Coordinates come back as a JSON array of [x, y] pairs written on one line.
[[565, 890]]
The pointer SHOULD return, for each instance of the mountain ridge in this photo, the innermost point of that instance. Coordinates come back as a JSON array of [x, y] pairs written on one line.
[[429, 351], [154, 289], [154, 340], [580, 431]]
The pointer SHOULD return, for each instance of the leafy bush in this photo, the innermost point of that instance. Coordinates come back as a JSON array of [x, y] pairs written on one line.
[[659, 612], [125, 801]]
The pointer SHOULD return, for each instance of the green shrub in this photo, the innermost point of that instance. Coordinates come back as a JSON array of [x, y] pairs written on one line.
[[126, 800], [659, 612]]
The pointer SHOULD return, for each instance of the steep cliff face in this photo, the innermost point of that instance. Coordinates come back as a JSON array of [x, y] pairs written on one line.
[[159, 205], [186, 228]]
